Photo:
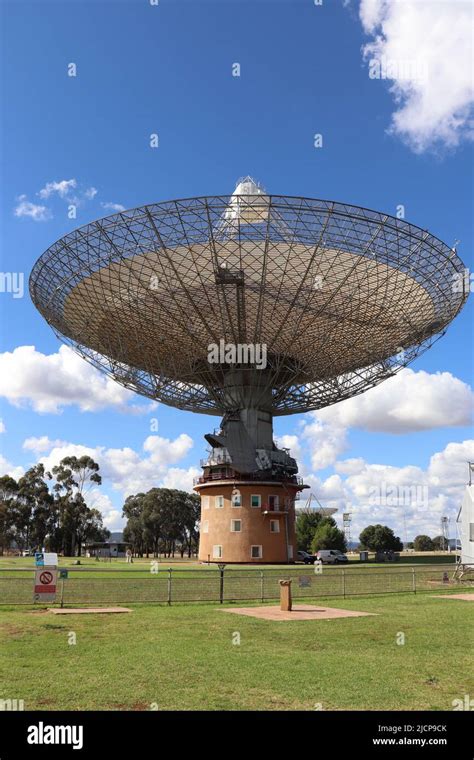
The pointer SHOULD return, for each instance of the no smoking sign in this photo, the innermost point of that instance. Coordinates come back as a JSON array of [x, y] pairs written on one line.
[[45, 584], [46, 577]]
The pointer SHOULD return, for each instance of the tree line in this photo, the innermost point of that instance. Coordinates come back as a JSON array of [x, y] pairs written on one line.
[[381, 538], [162, 521], [48, 509], [424, 543], [314, 531]]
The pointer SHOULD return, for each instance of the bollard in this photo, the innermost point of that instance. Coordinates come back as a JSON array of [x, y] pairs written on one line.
[[285, 595]]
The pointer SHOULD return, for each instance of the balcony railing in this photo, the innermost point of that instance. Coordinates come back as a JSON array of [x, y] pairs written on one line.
[[213, 461], [291, 481], [281, 509]]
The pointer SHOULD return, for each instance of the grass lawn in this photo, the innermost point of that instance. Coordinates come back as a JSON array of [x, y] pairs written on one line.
[[183, 657], [118, 567]]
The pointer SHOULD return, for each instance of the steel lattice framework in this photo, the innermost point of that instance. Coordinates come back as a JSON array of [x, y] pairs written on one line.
[[342, 297]]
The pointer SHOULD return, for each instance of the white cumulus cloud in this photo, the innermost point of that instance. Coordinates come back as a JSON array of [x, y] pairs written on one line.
[[109, 206], [407, 402], [410, 499], [67, 190], [129, 471], [41, 444], [61, 188], [35, 211], [424, 49], [111, 516], [324, 442], [7, 468], [48, 383]]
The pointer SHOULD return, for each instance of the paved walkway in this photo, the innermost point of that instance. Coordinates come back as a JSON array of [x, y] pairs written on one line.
[[299, 612]]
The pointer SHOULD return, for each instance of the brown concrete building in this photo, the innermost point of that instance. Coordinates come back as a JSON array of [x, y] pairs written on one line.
[[247, 521]]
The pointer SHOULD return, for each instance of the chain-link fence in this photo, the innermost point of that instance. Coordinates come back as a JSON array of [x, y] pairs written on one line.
[[224, 584]]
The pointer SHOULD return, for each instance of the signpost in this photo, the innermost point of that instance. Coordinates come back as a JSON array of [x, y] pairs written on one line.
[[46, 577]]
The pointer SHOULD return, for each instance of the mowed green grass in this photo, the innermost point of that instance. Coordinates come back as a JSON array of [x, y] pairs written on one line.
[[183, 658], [141, 567]]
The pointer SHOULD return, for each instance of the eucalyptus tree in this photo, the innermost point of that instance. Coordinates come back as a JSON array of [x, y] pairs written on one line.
[[8, 492], [33, 509], [75, 478]]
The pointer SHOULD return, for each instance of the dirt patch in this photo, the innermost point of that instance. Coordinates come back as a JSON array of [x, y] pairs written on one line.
[[299, 612], [11, 631], [464, 597]]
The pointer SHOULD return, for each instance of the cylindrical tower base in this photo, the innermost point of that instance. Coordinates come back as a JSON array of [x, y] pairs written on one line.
[[246, 521]]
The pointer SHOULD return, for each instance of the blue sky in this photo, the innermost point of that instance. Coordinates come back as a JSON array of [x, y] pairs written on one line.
[[167, 69]]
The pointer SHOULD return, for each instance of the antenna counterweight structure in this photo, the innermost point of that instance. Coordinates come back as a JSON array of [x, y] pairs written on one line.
[[249, 306]]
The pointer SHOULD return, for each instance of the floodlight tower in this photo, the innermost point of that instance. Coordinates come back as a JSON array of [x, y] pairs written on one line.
[[248, 306], [445, 532], [346, 526]]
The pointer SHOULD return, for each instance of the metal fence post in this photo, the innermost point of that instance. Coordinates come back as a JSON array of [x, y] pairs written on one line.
[[262, 585], [343, 583], [169, 585], [62, 593], [221, 583], [413, 580]]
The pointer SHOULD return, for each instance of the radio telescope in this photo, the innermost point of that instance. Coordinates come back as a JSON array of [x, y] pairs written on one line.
[[249, 306]]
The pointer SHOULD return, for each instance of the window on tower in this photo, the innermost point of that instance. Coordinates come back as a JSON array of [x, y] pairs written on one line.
[[236, 499], [236, 526], [255, 500], [273, 503], [219, 502], [256, 552]]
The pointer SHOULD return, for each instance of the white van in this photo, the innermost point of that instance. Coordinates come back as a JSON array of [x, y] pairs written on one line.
[[331, 556]]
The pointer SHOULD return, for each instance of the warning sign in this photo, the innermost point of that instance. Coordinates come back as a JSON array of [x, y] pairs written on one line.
[[46, 558], [304, 581], [45, 584]]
